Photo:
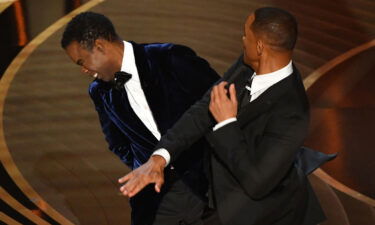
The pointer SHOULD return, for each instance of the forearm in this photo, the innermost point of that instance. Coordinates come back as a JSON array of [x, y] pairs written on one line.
[[195, 77], [193, 124], [196, 121]]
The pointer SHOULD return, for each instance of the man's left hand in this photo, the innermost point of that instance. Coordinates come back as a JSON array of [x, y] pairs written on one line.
[[221, 106]]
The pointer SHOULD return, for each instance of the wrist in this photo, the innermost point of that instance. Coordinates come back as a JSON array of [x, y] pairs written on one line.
[[158, 160], [223, 123], [222, 119]]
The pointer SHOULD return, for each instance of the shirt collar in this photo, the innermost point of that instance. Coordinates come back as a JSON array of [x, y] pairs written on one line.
[[128, 61], [263, 81]]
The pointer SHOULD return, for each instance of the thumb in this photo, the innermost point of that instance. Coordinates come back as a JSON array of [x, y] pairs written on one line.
[[158, 184]]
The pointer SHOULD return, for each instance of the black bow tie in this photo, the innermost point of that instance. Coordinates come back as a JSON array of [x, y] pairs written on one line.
[[120, 79]]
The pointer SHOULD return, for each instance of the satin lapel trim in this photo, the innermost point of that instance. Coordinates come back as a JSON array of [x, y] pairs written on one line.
[[264, 101], [123, 112], [239, 78], [143, 66]]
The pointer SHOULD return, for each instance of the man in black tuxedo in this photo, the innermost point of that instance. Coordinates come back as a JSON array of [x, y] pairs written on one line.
[[255, 128], [140, 91]]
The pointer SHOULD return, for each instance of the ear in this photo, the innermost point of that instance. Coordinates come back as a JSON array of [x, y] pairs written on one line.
[[259, 47], [100, 45]]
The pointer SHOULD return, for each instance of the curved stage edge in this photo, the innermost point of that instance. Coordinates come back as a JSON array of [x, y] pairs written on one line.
[[27, 188]]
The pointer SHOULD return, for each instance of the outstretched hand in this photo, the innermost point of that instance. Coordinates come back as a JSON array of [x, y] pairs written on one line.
[[150, 172]]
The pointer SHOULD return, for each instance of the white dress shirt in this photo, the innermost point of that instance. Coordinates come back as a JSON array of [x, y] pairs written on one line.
[[259, 85], [136, 96]]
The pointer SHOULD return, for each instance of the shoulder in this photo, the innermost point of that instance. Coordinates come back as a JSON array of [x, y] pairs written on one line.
[[181, 50], [294, 98], [96, 86], [168, 48]]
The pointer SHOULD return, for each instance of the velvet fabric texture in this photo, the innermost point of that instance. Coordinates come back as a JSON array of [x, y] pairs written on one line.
[[172, 77]]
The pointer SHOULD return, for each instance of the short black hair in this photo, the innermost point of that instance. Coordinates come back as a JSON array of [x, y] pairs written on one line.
[[278, 26], [87, 27]]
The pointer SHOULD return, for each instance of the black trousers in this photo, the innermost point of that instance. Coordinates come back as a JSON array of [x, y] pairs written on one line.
[[175, 205]]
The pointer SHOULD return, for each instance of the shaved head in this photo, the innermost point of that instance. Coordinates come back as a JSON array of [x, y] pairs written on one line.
[[277, 27]]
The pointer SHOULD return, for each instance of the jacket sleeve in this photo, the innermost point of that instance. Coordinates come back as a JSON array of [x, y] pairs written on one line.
[[117, 141], [260, 163], [197, 121]]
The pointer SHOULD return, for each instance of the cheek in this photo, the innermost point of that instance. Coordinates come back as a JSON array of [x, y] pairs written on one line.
[[105, 65], [247, 47], [97, 64]]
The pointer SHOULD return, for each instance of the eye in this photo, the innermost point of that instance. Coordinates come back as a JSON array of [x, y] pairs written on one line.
[[80, 62]]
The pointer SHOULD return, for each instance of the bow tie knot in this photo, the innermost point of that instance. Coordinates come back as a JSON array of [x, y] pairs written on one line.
[[120, 79]]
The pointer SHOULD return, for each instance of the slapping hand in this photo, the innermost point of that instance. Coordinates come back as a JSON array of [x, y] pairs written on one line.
[[150, 172]]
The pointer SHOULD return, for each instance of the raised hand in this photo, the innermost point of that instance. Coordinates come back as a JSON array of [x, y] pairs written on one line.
[[221, 106]]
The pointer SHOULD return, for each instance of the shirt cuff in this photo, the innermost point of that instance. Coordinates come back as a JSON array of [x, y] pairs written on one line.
[[163, 153], [224, 122]]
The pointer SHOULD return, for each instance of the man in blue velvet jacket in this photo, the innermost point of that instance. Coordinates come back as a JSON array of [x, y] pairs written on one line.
[[140, 91]]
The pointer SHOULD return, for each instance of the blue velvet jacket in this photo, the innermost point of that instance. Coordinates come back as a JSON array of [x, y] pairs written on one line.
[[172, 77]]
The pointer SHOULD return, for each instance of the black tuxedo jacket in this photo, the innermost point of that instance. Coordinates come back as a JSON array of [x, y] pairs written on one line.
[[172, 77], [252, 161]]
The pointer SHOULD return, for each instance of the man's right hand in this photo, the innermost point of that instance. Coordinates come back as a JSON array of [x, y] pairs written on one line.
[[150, 172]]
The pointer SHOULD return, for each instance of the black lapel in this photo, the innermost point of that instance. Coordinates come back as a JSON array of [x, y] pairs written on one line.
[[151, 87], [143, 66], [265, 101], [127, 120], [239, 77]]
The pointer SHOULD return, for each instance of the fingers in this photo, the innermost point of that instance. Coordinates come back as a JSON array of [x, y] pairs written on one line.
[[213, 96], [150, 172], [223, 104], [221, 92], [133, 190], [232, 94], [124, 188], [125, 178], [133, 186], [158, 184]]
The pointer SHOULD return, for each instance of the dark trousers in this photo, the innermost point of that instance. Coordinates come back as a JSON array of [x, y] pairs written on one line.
[[176, 205]]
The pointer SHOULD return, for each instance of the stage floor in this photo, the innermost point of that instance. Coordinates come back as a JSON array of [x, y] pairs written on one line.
[[52, 145]]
